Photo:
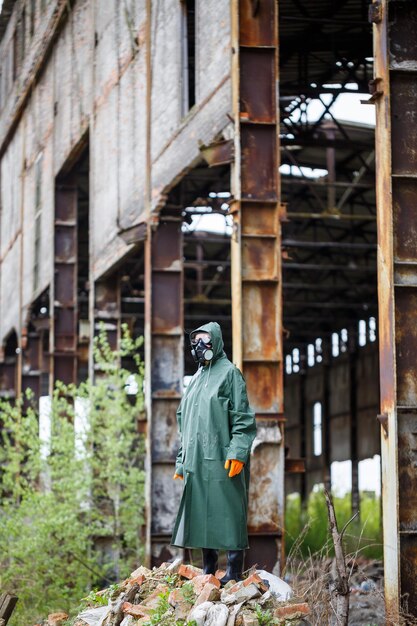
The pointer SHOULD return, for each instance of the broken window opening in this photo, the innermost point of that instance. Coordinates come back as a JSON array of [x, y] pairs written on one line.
[[188, 36], [317, 429], [362, 333]]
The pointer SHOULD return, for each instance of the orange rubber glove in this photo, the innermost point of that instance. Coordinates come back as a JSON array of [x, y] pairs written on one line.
[[235, 467], [178, 476]]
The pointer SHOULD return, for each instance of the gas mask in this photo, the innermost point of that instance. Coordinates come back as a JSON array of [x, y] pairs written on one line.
[[201, 352]]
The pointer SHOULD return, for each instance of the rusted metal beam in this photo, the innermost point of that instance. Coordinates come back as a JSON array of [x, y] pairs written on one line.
[[63, 305], [107, 309], [31, 362], [256, 261], [218, 153], [395, 73], [164, 316]]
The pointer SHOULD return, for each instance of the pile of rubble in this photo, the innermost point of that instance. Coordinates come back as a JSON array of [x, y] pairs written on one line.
[[177, 594]]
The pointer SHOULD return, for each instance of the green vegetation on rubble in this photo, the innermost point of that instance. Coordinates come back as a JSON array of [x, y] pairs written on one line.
[[71, 505]]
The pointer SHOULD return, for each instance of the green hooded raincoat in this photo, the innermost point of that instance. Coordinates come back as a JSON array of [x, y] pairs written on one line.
[[215, 423]]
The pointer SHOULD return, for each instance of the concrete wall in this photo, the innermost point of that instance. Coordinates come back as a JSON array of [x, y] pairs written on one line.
[[94, 78]]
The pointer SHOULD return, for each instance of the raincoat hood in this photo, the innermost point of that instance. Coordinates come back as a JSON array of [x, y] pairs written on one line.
[[215, 332]]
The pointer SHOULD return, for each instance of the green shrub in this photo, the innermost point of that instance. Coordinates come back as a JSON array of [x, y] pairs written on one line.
[[307, 529], [62, 499]]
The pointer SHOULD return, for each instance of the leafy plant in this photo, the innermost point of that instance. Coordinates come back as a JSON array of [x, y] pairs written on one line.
[[265, 617], [71, 503], [172, 580], [157, 614], [188, 593]]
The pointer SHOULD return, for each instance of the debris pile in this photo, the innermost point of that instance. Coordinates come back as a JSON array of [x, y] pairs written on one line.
[[178, 594]]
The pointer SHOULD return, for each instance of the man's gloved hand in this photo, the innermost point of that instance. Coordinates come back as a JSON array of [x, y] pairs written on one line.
[[178, 476], [235, 467]]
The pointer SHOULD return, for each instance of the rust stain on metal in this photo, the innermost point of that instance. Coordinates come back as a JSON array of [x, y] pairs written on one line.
[[263, 380], [405, 220], [261, 219], [256, 262], [259, 326], [295, 466], [259, 259], [218, 153], [256, 66], [259, 173], [383, 420], [257, 28], [406, 345]]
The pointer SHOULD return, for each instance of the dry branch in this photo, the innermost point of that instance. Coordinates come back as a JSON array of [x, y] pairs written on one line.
[[341, 587]]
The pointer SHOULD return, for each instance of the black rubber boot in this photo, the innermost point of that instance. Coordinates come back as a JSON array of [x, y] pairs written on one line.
[[210, 560], [234, 566]]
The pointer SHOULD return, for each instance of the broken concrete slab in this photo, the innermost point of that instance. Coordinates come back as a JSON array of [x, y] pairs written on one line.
[[277, 586], [199, 613], [217, 615]]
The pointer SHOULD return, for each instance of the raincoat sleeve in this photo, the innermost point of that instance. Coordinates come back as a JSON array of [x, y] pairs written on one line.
[[178, 463], [241, 419]]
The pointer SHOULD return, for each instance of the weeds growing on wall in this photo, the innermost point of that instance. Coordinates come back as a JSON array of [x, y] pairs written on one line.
[[72, 501]]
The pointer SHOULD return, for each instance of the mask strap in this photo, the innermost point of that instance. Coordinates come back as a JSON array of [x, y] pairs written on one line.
[[208, 377]]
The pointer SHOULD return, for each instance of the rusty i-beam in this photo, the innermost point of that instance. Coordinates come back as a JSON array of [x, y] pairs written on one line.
[[395, 95], [256, 261], [164, 321]]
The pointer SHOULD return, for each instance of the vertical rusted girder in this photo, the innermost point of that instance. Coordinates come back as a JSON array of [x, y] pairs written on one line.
[[256, 261], [164, 317], [395, 94], [8, 376], [63, 339], [31, 362], [107, 309]]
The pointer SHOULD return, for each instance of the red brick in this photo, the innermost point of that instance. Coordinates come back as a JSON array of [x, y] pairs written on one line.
[[257, 580], [189, 571], [292, 611], [153, 599], [209, 593], [198, 582], [136, 610], [139, 580], [220, 573], [56, 619], [175, 597]]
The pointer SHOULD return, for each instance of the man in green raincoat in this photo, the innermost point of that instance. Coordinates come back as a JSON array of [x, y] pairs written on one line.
[[217, 428]]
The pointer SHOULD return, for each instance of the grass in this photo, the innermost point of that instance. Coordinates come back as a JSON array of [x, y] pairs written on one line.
[[364, 536]]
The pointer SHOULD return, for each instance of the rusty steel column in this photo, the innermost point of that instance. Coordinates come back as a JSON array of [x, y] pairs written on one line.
[[164, 318], [395, 95], [256, 262], [31, 362], [8, 375], [63, 339], [107, 309]]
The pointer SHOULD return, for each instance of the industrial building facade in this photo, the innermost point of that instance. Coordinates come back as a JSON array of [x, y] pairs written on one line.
[[121, 123]]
